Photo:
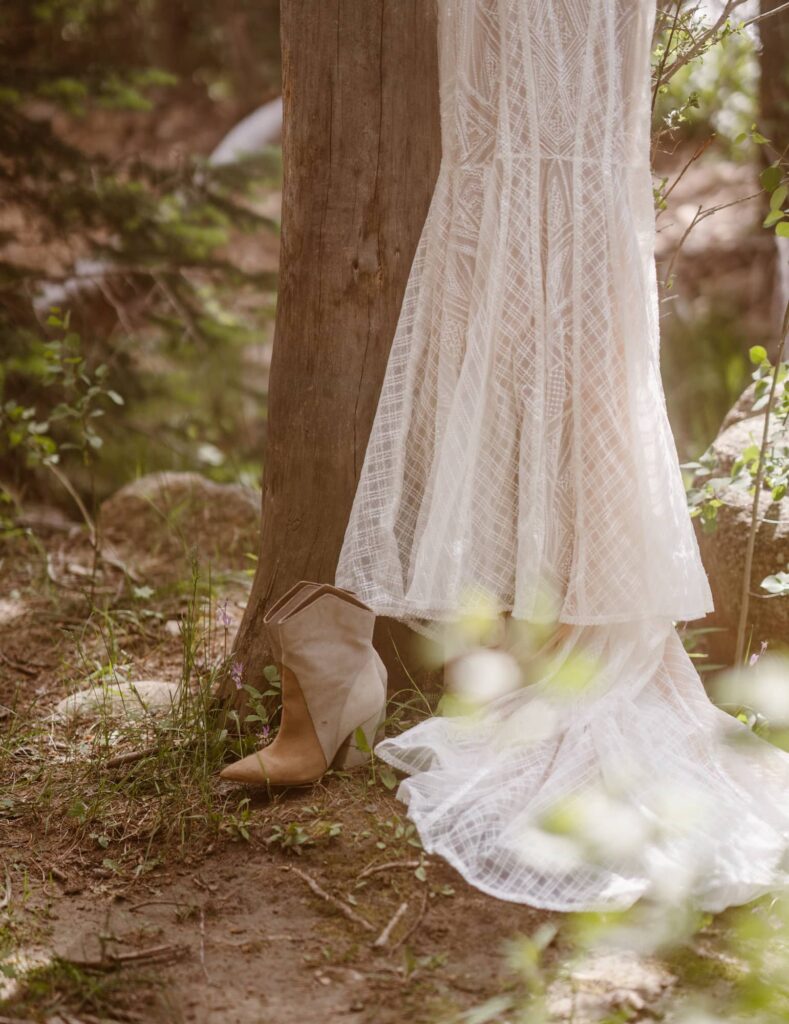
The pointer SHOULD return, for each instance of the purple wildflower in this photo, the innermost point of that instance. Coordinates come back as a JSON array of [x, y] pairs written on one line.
[[757, 654], [265, 732], [221, 615], [236, 674]]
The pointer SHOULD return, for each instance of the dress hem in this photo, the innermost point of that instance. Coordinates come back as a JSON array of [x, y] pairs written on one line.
[[757, 889]]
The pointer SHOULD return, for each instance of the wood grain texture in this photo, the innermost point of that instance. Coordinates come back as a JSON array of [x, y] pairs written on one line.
[[361, 151]]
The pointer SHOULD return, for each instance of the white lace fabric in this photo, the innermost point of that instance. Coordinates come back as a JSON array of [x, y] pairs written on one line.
[[521, 447], [670, 796]]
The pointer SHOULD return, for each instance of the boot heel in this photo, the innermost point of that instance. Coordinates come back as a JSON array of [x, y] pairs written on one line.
[[350, 755]]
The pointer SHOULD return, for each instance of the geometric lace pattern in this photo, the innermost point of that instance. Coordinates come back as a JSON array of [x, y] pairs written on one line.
[[521, 451]]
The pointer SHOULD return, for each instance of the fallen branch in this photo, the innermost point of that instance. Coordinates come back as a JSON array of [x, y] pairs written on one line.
[[383, 938], [131, 756], [343, 907], [154, 954], [159, 903], [417, 922], [387, 866], [202, 944], [17, 665]]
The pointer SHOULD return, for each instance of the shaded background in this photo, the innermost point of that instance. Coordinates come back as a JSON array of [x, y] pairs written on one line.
[[150, 87]]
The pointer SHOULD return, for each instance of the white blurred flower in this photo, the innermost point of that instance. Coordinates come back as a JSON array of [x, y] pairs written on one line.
[[763, 687], [482, 675], [210, 455], [610, 829], [696, 1015], [546, 851], [679, 808]]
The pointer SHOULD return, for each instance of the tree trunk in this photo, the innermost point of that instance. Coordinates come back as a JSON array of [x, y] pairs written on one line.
[[774, 123], [361, 150], [774, 87]]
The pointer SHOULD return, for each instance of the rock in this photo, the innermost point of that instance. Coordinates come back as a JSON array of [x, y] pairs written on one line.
[[119, 701], [154, 524], [741, 410], [723, 551], [16, 964], [606, 984]]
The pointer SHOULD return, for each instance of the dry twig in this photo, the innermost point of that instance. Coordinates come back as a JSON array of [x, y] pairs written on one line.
[[419, 918], [343, 907], [17, 665], [202, 944], [154, 954], [388, 865], [383, 938]]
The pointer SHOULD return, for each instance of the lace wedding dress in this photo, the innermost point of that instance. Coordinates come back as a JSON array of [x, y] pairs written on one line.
[[521, 451]]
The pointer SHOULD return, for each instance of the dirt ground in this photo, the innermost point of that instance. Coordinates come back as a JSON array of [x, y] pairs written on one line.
[[135, 894], [149, 891]]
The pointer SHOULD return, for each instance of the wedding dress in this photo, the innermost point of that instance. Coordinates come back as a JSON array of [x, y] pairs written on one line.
[[521, 450]]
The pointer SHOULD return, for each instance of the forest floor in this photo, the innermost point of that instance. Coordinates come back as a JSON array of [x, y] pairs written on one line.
[[145, 889]]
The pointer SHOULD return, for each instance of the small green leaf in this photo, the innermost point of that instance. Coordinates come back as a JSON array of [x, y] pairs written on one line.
[[271, 673], [757, 354], [782, 230], [773, 217], [778, 197], [361, 741], [387, 776], [771, 177], [115, 397]]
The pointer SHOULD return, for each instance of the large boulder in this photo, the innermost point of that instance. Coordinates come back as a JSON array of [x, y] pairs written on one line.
[[154, 525], [724, 550]]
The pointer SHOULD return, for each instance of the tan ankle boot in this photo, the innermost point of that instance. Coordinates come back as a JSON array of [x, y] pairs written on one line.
[[333, 683]]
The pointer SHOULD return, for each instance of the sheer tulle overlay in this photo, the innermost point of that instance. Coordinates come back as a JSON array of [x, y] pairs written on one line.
[[665, 794], [521, 450]]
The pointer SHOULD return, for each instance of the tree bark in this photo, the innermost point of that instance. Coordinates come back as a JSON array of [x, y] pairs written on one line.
[[774, 123], [774, 80], [361, 150]]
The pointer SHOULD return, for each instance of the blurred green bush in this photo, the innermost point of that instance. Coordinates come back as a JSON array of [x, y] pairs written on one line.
[[166, 264]]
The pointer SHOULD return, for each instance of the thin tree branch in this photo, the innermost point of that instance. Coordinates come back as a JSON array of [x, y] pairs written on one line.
[[745, 598]]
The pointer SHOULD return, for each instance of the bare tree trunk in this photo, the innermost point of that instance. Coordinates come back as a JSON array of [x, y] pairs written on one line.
[[774, 123], [361, 150], [774, 88]]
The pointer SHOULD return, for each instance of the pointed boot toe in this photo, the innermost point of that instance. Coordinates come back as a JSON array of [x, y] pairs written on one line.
[[249, 771]]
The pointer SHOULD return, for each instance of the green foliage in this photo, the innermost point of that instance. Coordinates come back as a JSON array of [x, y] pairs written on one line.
[[707, 491], [294, 837], [704, 370], [72, 987], [71, 420], [713, 88], [140, 251]]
